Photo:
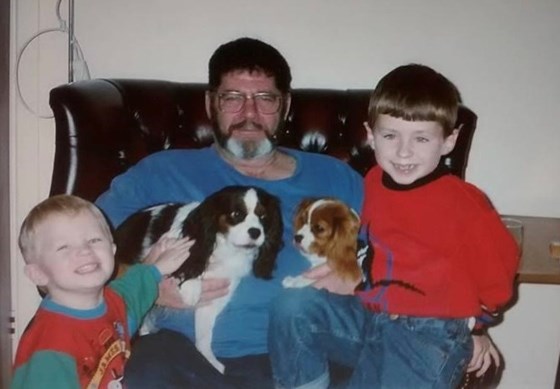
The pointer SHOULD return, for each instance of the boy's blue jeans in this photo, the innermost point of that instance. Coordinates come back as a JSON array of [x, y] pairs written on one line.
[[310, 327]]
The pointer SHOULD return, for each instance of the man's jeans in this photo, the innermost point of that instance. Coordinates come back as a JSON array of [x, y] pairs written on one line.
[[309, 328]]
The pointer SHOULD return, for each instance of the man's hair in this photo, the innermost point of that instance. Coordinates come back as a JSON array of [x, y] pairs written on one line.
[[416, 93], [57, 205], [250, 55]]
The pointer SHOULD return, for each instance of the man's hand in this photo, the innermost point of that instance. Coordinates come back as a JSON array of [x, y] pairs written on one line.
[[484, 352], [169, 295], [325, 278], [211, 288]]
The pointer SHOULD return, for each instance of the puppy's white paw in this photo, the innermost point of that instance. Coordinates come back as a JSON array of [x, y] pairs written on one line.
[[190, 291], [289, 282]]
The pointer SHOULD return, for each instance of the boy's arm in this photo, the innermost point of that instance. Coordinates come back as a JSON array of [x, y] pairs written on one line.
[[493, 267], [139, 288], [139, 285], [46, 369]]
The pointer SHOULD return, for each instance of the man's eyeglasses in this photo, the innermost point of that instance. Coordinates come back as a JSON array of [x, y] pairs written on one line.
[[233, 102]]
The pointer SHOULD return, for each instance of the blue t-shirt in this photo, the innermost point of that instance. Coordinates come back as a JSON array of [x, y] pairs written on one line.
[[191, 175]]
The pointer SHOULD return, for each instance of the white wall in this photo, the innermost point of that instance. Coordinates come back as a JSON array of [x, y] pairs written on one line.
[[502, 54], [31, 138]]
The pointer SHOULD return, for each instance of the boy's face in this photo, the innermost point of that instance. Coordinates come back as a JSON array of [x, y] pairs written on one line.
[[72, 256], [408, 150]]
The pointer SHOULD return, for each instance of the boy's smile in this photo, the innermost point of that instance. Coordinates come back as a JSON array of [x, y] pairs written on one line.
[[409, 150]]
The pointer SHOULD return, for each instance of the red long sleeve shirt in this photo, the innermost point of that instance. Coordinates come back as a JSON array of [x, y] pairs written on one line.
[[440, 248]]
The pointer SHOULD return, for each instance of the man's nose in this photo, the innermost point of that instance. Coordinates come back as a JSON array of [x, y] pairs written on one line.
[[250, 107]]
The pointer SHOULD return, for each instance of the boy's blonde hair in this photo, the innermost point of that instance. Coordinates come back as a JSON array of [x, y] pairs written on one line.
[[55, 205], [416, 93]]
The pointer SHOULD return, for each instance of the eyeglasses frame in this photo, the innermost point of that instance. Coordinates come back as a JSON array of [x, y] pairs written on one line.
[[247, 96]]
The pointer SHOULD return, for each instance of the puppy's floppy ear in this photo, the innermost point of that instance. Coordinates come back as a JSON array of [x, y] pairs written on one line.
[[265, 262], [200, 225], [343, 251], [126, 237], [346, 228]]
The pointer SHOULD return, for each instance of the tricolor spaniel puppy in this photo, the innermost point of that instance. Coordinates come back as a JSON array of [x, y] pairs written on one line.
[[235, 230], [326, 231]]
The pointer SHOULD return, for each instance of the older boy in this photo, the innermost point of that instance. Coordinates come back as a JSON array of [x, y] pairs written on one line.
[[441, 257], [80, 335]]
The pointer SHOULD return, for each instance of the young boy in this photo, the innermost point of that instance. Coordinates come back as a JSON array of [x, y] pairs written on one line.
[[80, 335], [441, 257]]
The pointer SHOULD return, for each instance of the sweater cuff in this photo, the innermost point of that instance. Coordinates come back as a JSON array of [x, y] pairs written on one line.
[[485, 320], [155, 272]]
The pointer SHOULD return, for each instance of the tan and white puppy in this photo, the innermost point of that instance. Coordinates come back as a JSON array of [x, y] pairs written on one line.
[[326, 231]]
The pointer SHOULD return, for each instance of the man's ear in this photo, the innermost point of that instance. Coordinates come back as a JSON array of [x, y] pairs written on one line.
[[449, 142], [208, 103], [34, 272]]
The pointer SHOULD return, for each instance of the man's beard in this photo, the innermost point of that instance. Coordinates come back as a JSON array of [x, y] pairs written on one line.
[[245, 149]]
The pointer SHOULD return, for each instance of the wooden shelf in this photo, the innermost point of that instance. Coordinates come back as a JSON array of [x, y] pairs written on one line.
[[537, 266]]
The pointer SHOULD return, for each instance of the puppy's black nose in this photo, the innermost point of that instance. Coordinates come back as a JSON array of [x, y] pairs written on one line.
[[254, 233], [298, 238]]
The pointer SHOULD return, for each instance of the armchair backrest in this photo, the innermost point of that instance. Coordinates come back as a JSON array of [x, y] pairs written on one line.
[[104, 126]]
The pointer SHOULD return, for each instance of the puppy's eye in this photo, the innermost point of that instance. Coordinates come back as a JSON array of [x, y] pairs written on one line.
[[317, 229], [235, 216], [263, 216]]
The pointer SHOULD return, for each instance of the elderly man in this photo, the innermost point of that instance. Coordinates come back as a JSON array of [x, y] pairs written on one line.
[[247, 100]]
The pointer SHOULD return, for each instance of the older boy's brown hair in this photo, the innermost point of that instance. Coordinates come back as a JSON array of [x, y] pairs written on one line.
[[55, 205], [416, 93]]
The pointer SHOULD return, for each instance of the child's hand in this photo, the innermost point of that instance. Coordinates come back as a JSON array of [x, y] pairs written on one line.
[[484, 352], [168, 254]]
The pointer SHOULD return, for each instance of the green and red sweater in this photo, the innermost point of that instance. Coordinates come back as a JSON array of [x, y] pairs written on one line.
[[440, 248], [70, 348]]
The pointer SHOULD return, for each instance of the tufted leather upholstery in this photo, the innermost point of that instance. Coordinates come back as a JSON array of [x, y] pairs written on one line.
[[104, 126]]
